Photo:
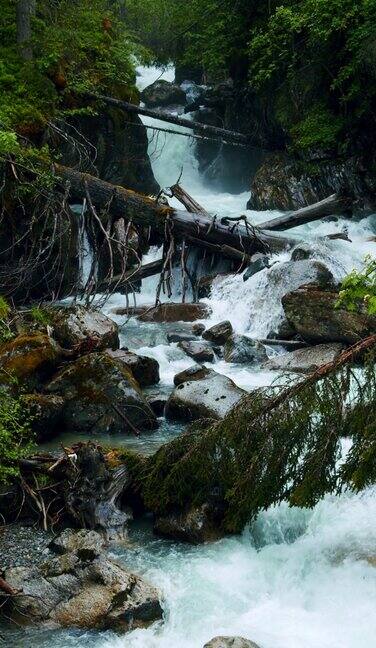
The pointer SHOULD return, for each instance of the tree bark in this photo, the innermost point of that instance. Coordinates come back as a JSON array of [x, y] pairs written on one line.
[[334, 204], [221, 133], [146, 211], [25, 12]]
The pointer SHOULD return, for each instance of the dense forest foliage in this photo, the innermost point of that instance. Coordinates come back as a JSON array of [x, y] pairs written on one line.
[[311, 63], [73, 47]]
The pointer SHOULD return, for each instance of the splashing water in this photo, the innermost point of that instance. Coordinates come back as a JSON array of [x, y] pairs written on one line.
[[297, 578]]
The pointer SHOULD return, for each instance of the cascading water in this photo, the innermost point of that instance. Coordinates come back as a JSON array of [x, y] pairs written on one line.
[[295, 578]]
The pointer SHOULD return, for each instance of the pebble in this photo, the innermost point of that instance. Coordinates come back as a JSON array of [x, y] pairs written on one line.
[[22, 546]]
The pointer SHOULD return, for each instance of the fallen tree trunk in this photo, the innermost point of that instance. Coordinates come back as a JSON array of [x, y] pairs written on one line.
[[197, 127], [145, 211], [334, 204]]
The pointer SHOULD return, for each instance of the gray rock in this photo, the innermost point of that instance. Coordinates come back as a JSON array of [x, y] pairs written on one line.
[[76, 325], [163, 93], [77, 590], [196, 372], [305, 360], [302, 252], [293, 274], [157, 404], [210, 397], [86, 544], [230, 642], [199, 351], [101, 393], [256, 266], [219, 333], [241, 349], [144, 369]]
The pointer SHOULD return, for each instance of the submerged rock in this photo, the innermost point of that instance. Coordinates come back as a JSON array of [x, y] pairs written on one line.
[[144, 369], [198, 329], [313, 314], [29, 358], [210, 397], [163, 93], [305, 360], [242, 350], [76, 325], [199, 351], [219, 333], [199, 524], [230, 642], [80, 588], [171, 312], [196, 372], [180, 337], [102, 395]]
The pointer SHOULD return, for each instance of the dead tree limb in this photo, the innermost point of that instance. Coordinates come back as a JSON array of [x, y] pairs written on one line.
[[205, 129], [189, 203], [334, 204], [132, 276]]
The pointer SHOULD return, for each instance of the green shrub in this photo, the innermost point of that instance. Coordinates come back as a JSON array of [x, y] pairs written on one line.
[[16, 439], [358, 289]]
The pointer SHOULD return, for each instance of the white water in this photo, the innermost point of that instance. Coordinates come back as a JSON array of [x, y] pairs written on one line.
[[308, 584], [297, 578]]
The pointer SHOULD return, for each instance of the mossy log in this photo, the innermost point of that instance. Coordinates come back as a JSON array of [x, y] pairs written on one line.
[[145, 211]]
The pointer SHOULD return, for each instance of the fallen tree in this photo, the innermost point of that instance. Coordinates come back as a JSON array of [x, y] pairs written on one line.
[[147, 212], [275, 445], [334, 204]]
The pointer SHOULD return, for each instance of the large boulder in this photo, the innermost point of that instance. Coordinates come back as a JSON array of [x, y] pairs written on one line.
[[219, 333], [145, 370], [293, 274], [243, 350], [163, 93], [230, 642], [199, 351], [76, 326], [172, 312], [102, 395], [80, 588], [305, 360], [46, 414], [211, 397], [29, 358], [313, 314]]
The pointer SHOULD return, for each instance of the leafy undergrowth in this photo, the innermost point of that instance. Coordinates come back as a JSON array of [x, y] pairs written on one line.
[[358, 289]]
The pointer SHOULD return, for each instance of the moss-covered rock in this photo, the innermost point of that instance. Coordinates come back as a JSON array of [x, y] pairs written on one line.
[[102, 395], [77, 325], [29, 358], [313, 314], [46, 414], [145, 370]]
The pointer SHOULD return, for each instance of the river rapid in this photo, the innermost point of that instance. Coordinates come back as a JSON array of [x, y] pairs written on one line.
[[294, 579]]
